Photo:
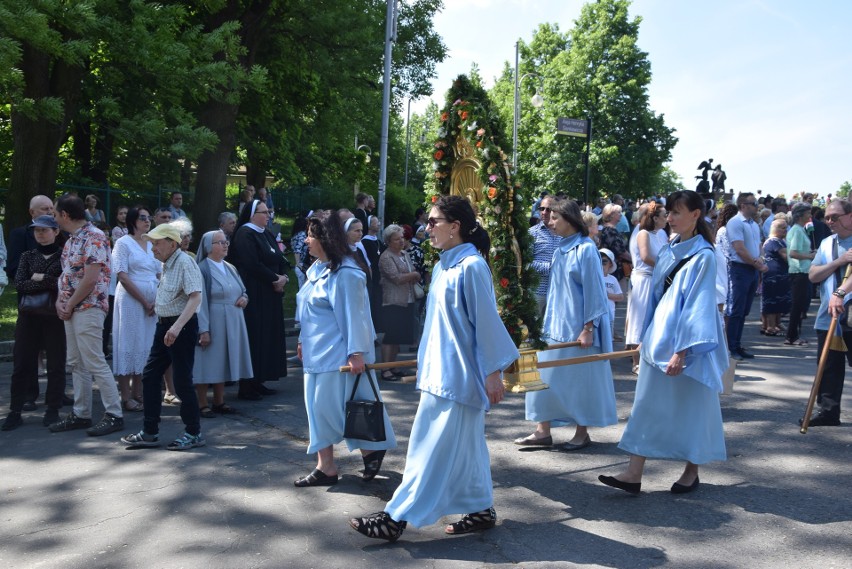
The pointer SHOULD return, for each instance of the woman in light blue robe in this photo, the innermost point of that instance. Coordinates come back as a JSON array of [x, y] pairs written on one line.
[[463, 350], [577, 310], [333, 310], [676, 413]]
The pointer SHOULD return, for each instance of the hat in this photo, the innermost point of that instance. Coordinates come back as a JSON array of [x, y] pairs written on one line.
[[45, 221], [609, 254], [164, 231]]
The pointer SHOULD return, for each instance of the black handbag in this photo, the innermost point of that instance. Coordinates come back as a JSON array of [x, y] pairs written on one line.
[[42, 303], [365, 420]]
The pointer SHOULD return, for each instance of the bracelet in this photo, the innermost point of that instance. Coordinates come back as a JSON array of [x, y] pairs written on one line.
[[839, 293], [589, 328]]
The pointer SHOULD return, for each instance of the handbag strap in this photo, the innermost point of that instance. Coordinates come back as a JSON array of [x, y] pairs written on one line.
[[371, 379]]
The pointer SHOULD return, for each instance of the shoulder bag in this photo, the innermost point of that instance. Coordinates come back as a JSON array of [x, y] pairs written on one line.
[[42, 303], [365, 420]]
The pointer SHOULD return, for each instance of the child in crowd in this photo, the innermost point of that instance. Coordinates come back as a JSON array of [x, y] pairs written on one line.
[[613, 289]]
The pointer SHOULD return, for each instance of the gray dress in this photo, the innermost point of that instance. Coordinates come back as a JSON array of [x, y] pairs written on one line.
[[227, 358]]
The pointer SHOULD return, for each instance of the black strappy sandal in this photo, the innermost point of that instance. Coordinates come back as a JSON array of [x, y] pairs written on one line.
[[477, 521], [372, 464], [378, 526]]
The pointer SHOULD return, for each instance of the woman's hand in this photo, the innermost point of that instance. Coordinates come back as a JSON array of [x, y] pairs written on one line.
[[38, 277], [494, 388], [299, 350], [204, 339], [676, 364], [241, 302], [356, 363], [585, 338], [149, 308]]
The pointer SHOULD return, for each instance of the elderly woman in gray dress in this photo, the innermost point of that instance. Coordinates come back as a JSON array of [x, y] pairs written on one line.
[[223, 345]]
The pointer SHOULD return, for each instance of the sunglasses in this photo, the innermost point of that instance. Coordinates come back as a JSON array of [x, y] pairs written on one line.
[[544, 209], [433, 221], [753, 204]]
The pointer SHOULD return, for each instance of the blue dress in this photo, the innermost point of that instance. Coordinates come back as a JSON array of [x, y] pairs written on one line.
[[679, 417], [334, 313], [448, 469], [581, 394]]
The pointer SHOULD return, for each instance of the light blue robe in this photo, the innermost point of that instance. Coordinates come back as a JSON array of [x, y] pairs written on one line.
[[334, 312], [448, 469], [679, 417], [582, 394]]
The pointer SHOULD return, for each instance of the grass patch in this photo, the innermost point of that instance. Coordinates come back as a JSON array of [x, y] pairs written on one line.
[[8, 313]]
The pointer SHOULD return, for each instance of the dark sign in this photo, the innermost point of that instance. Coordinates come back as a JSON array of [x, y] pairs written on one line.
[[572, 127]]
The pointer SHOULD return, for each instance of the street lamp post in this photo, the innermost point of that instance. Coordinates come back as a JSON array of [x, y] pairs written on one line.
[[407, 144], [537, 101], [359, 148], [390, 39]]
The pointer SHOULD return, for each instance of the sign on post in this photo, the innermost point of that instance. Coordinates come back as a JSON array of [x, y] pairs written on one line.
[[572, 127]]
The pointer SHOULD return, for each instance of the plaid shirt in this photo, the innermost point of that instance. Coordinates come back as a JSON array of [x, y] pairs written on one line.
[[86, 246], [181, 277], [544, 244]]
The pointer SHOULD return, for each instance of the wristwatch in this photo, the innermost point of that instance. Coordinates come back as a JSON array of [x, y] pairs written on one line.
[[840, 293]]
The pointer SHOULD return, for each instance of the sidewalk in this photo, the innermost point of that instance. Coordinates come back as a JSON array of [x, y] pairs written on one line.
[[781, 499]]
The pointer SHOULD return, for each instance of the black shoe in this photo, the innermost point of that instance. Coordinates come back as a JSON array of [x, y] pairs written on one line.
[[70, 423], [29, 406], [12, 422], [263, 390], [822, 420], [372, 464], [249, 396], [51, 416], [316, 478], [744, 354], [683, 489], [629, 487], [109, 424], [67, 401]]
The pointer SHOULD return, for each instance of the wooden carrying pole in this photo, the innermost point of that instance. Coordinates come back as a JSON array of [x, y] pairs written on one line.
[[589, 358], [832, 342]]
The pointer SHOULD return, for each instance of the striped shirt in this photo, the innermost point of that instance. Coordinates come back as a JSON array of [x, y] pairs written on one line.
[[181, 277], [544, 244]]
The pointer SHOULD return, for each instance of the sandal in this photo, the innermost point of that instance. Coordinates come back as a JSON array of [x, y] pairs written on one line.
[[372, 464], [316, 478], [171, 399], [388, 375], [795, 343], [207, 413], [769, 332], [477, 521], [378, 526], [131, 405], [224, 409]]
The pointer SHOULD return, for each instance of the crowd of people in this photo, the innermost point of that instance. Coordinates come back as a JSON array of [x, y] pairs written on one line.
[[184, 324]]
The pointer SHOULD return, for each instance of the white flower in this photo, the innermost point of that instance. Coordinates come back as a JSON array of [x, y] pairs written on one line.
[[472, 126]]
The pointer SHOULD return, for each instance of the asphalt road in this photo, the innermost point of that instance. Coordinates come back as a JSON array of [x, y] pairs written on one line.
[[781, 499]]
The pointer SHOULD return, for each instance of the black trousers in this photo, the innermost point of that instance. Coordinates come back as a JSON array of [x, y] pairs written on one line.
[[801, 291], [34, 332], [831, 386], [181, 356]]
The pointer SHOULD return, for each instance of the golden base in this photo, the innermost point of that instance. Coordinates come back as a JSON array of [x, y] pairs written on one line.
[[523, 375]]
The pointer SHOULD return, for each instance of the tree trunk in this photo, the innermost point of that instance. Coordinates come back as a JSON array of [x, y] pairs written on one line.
[[210, 180], [255, 169], [35, 139]]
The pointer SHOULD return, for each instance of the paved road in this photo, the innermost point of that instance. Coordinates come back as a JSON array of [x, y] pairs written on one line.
[[782, 499]]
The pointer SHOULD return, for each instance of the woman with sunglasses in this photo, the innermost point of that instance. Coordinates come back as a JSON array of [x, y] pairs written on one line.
[[223, 352], [463, 351], [676, 413], [262, 268], [134, 321]]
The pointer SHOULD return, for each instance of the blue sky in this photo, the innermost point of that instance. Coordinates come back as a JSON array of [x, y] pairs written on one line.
[[762, 86]]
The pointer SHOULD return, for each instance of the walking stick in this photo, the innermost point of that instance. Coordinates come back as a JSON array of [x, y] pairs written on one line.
[[833, 342]]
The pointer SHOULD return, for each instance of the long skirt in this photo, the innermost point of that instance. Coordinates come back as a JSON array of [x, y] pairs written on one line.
[[674, 417], [447, 469], [325, 401], [581, 394], [637, 306]]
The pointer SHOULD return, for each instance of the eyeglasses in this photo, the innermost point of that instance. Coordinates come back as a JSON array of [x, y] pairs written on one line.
[[144, 218], [752, 204], [223, 243], [433, 221], [544, 209], [264, 211], [835, 217]]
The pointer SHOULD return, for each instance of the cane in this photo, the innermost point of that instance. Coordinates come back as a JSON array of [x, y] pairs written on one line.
[[833, 342]]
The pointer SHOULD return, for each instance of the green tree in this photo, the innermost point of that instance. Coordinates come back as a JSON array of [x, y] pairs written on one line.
[[843, 192]]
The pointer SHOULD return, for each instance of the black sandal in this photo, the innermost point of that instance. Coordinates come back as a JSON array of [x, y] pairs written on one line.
[[378, 526], [316, 478], [477, 521], [388, 375], [224, 409], [372, 464]]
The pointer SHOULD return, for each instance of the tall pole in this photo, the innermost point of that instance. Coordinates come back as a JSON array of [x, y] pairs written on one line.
[[390, 36], [407, 143], [517, 116], [588, 158]]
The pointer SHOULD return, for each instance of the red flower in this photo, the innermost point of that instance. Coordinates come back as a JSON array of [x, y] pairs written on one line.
[[492, 192], [504, 282], [434, 199], [445, 116], [439, 154], [479, 144]]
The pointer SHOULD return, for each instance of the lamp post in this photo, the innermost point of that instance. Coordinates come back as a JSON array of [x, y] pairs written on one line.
[[358, 148], [407, 143], [390, 39], [537, 101]]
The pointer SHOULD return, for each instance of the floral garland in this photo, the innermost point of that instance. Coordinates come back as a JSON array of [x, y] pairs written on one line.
[[468, 111]]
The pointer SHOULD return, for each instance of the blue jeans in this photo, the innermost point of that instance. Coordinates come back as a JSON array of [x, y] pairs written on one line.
[[742, 281], [181, 356]]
